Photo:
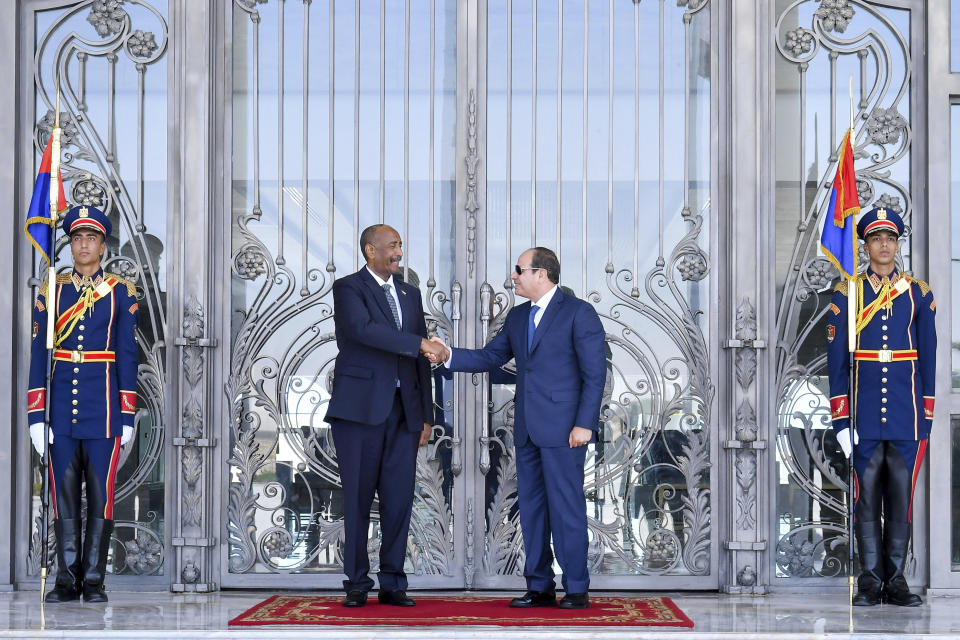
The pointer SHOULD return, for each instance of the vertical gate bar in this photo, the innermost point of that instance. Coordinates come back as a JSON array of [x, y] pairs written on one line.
[[141, 70], [331, 89], [256, 114], [111, 107], [583, 187], [305, 157], [508, 283], [833, 102], [660, 139], [610, 140], [430, 160], [533, 132], [280, 259], [636, 148], [406, 135], [559, 128], [686, 113], [356, 122], [383, 72], [82, 80], [862, 54], [802, 68]]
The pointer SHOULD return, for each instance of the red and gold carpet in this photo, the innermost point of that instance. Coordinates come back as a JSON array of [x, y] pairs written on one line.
[[452, 610]]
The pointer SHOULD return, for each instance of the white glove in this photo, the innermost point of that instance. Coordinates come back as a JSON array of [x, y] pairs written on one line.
[[127, 435], [843, 437], [36, 436]]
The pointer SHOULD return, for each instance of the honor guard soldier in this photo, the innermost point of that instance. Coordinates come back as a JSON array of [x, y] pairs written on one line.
[[93, 401], [894, 366]]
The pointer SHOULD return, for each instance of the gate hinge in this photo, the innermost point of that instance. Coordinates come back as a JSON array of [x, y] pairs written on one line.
[[195, 342], [745, 343]]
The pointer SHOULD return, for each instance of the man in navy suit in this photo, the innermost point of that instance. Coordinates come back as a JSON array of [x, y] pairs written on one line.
[[380, 410], [557, 341]]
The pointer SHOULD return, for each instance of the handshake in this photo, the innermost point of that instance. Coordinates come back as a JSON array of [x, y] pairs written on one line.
[[434, 349]]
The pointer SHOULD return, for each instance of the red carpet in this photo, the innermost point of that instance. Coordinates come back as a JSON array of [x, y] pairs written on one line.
[[436, 611]]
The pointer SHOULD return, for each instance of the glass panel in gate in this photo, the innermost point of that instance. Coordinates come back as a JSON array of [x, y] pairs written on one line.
[[112, 67], [818, 48], [598, 146], [343, 116]]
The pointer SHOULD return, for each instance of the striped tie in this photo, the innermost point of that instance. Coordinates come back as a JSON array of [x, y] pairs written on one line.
[[393, 305]]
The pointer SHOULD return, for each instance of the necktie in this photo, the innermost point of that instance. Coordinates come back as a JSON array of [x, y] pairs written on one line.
[[533, 326], [393, 305]]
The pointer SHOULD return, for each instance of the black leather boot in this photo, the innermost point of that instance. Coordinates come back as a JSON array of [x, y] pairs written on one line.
[[68, 584], [896, 539], [870, 582], [96, 545]]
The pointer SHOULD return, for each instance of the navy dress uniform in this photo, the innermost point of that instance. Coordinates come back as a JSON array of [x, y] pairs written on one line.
[[93, 397], [894, 369]]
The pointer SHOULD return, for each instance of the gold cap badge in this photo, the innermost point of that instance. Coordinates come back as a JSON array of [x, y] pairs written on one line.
[[84, 213], [881, 214]]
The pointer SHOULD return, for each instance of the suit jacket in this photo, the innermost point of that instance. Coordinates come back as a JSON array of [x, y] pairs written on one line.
[[560, 381], [97, 398], [374, 355]]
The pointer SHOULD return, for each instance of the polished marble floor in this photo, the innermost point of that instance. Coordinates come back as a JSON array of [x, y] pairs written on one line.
[[779, 616]]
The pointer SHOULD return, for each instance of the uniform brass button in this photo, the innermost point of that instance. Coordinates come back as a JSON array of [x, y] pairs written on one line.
[[883, 400], [81, 337], [75, 412], [883, 419], [884, 369], [883, 390], [74, 401], [884, 346], [74, 382], [81, 327], [884, 327], [884, 337], [883, 409], [76, 369], [74, 421], [79, 347], [75, 392], [884, 380]]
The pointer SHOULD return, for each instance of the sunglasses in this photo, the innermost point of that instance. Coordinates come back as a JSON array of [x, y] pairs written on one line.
[[519, 270]]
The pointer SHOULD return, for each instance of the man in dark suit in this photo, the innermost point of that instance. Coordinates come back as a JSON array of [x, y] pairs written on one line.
[[380, 410], [557, 341]]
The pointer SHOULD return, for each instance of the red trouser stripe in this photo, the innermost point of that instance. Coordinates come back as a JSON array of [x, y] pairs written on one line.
[[921, 451], [53, 487], [111, 480]]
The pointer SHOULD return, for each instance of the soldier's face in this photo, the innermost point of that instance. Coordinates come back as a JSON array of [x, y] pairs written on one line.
[[882, 248], [87, 248]]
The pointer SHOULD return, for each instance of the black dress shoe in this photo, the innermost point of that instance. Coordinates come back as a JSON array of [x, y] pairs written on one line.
[[397, 598], [575, 601], [897, 592], [355, 598], [535, 599], [94, 592], [63, 592]]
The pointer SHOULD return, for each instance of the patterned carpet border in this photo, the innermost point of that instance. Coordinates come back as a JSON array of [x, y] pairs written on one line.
[[467, 611]]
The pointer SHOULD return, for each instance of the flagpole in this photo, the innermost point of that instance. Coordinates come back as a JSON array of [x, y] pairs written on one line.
[[51, 321], [852, 302]]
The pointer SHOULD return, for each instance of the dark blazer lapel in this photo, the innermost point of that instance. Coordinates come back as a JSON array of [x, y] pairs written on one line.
[[553, 310], [377, 293], [407, 312]]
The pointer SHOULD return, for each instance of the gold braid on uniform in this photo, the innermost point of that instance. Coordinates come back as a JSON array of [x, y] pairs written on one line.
[[924, 287], [88, 300], [131, 288], [841, 287]]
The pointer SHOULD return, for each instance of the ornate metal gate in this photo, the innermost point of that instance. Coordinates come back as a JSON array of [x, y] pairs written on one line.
[[477, 129]]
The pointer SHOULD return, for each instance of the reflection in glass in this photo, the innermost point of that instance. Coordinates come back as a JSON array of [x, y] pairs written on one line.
[[114, 74], [955, 241], [306, 180], [575, 131], [818, 51]]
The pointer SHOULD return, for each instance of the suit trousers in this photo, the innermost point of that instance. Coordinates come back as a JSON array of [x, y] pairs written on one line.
[[376, 459], [551, 501]]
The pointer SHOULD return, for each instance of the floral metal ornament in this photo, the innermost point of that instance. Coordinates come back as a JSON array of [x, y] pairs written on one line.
[[799, 41], [835, 15], [885, 126], [107, 16], [141, 44]]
